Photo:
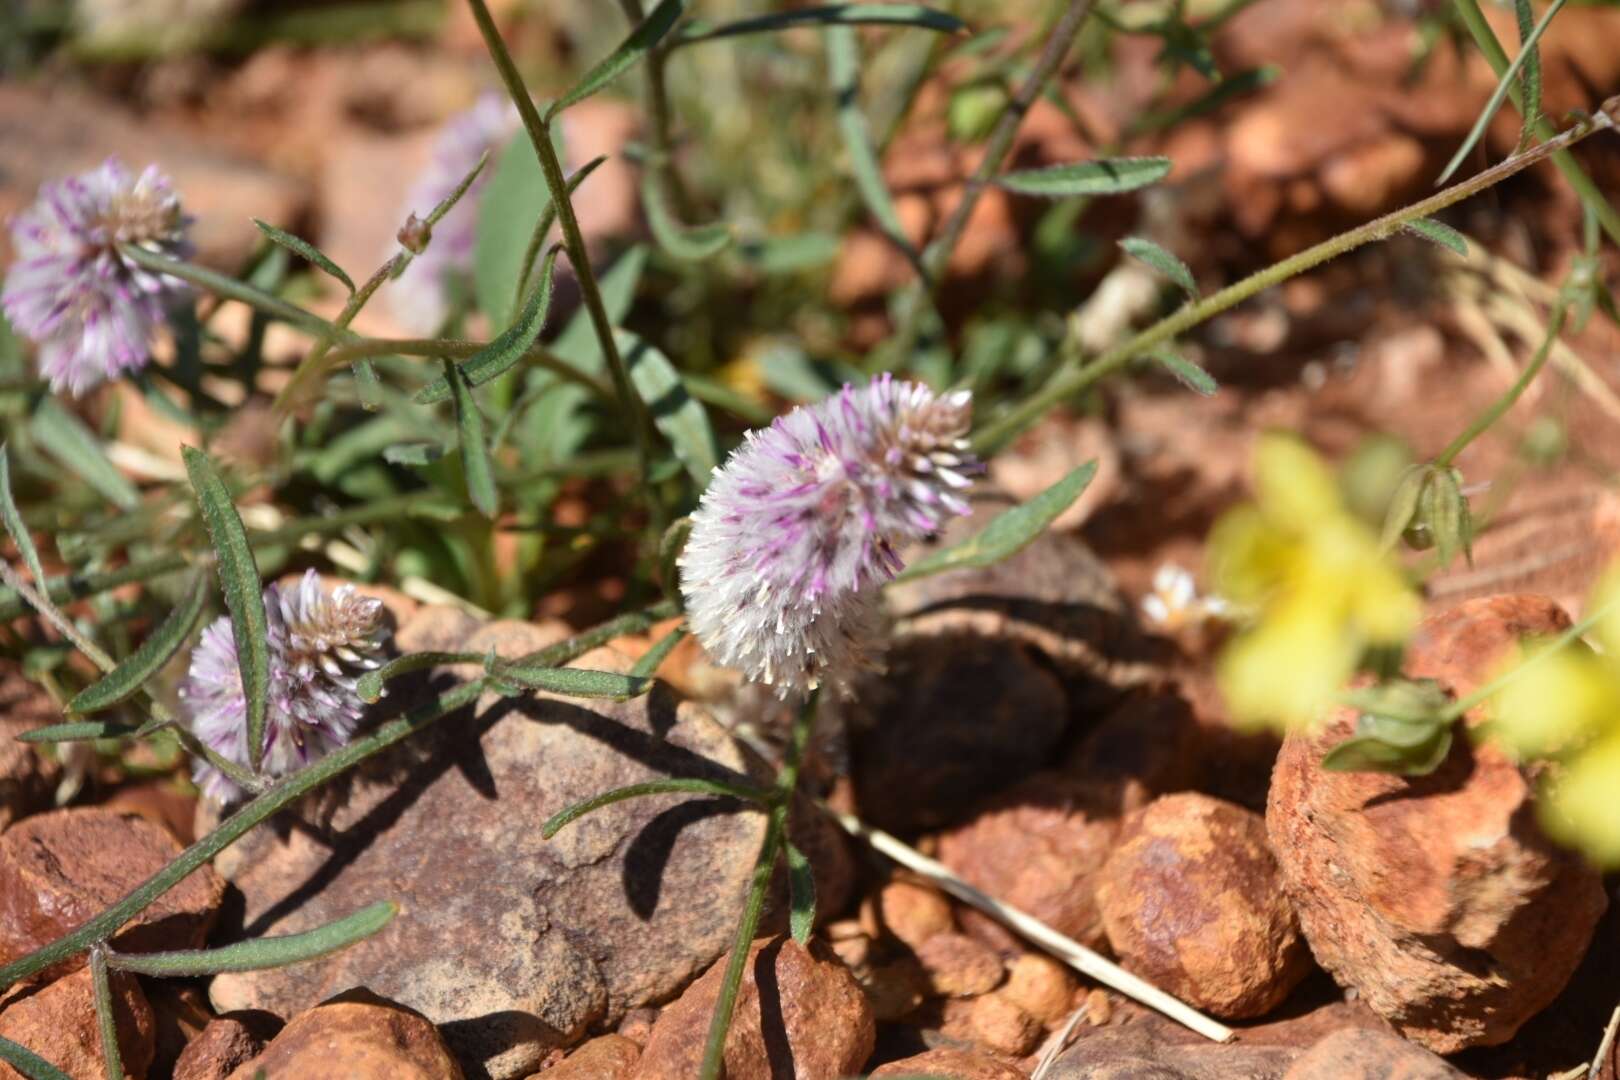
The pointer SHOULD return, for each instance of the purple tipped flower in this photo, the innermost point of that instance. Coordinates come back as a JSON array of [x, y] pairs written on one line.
[[90, 310], [320, 643], [799, 527], [421, 297]]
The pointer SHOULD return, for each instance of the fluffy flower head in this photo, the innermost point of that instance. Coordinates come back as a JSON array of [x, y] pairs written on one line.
[[90, 310], [320, 643], [800, 525]]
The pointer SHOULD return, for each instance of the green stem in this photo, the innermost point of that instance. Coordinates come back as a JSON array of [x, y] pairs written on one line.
[[312, 364], [460, 350], [574, 243], [106, 1021], [284, 793], [714, 1050], [1069, 382], [1485, 38], [228, 287], [663, 160], [631, 623], [1490, 416]]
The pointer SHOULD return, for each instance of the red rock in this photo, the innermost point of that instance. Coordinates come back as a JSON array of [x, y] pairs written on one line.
[[28, 778], [1361, 1054], [1191, 900], [996, 1023], [799, 1013], [908, 912], [59, 1024], [945, 1062], [1437, 897], [59, 869], [958, 966], [1038, 847], [1146, 747], [1042, 987], [1150, 1049], [355, 1036], [606, 1057], [162, 802], [1374, 174], [225, 1045], [179, 1014]]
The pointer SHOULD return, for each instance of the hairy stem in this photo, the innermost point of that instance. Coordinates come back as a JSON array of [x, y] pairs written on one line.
[[537, 355], [1071, 381], [1484, 420], [106, 1021]]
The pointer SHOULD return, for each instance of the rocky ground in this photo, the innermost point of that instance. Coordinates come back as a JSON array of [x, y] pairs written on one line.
[[1032, 730]]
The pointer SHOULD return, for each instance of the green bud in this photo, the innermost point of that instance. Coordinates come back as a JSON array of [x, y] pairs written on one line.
[[973, 111], [1403, 728], [1428, 510]]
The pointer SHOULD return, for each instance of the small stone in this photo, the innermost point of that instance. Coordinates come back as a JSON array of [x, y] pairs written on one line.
[[895, 989], [1437, 898], [1192, 902], [799, 1013], [947, 1062], [1146, 1049], [59, 1024], [1363, 1054], [162, 802], [958, 966], [225, 1045], [1099, 1007], [606, 1057], [637, 1025], [355, 1036], [1037, 847], [1042, 987], [997, 1023], [59, 869], [1372, 175], [908, 912], [179, 1014], [28, 778]]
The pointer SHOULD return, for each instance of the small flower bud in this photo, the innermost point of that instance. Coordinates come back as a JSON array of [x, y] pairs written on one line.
[[414, 235]]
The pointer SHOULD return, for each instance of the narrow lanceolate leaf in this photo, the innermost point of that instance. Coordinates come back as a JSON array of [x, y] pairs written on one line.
[[270, 952], [505, 351], [844, 63], [690, 244], [448, 203], [413, 454], [1530, 81], [558, 821], [916, 15], [1010, 532], [475, 463], [679, 416], [1526, 51], [77, 731], [633, 48], [572, 682], [13, 521], [801, 895], [244, 593], [670, 546], [1187, 373], [66, 439], [28, 1063], [1162, 261], [1110, 176], [515, 197], [370, 685], [125, 680], [304, 250], [1438, 233]]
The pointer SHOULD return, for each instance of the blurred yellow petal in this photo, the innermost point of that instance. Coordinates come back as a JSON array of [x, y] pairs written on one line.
[[1286, 671], [1579, 806], [1606, 598], [1247, 557], [1559, 700], [1296, 490]]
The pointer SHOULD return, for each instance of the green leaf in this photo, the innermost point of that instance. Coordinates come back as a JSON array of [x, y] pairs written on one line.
[[65, 438], [475, 463], [653, 657], [28, 1063], [1376, 753], [306, 251], [448, 203], [125, 680], [670, 546], [543, 224], [679, 416], [78, 731], [1162, 261], [13, 521], [844, 63], [270, 952], [416, 455], [719, 789], [633, 48], [1110, 176], [500, 355], [1187, 373], [690, 245], [917, 15], [578, 343], [244, 593], [1010, 532], [1527, 51], [1449, 510], [801, 894], [1403, 505], [571, 682], [1438, 233], [515, 197], [1530, 82], [791, 254], [369, 686]]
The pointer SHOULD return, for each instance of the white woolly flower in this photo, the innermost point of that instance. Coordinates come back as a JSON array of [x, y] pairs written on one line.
[[1174, 601], [800, 526]]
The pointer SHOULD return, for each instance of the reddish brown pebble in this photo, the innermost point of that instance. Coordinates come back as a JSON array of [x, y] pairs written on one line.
[[1437, 897], [1363, 1054], [799, 1013], [59, 1024], [907, 912], [1042, 987], [59, 869], [28, 778], [956, 1064], [606, 1057], [225, 1045], [1192, 902], [355, 1036], [958, 966]]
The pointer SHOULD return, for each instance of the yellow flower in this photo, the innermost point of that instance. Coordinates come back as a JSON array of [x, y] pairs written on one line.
[[1322, 590], [1578, 805]]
